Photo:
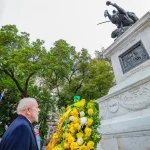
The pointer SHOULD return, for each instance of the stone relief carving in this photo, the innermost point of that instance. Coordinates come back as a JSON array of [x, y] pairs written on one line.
[[113, 104], [135, 99]]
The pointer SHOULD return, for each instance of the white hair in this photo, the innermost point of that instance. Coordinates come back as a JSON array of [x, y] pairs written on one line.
[[25, 103]]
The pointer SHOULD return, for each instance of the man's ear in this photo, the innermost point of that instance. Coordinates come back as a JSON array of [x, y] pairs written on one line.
[[28, 110]]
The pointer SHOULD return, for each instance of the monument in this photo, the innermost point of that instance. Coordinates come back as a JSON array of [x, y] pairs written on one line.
[[125, 110]]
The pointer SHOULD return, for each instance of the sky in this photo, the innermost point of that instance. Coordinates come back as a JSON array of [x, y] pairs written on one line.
[[74, 21]]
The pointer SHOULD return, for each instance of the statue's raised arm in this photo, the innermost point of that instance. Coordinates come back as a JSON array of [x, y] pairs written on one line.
[[120, 10]]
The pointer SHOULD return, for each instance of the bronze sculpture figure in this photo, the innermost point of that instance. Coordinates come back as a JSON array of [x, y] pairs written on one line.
[[121, 18]]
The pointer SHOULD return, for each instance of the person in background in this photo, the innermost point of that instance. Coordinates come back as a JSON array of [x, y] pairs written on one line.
[[37, 134], [20, 134]]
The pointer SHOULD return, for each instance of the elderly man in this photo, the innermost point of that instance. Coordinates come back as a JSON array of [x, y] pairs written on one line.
[[20, 134]]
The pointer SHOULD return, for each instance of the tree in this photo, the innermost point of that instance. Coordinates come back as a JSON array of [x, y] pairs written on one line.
[[59, 62], [20, 60], [76, 78], [90, 78], [98, 80]]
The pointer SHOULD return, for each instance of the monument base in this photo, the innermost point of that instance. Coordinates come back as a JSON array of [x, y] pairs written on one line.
[[125, 114]]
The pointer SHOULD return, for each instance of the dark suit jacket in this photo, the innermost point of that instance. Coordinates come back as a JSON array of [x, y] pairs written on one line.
[[19, 136]]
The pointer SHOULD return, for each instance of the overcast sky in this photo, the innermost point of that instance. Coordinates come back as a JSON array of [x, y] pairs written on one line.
[[72, 20]]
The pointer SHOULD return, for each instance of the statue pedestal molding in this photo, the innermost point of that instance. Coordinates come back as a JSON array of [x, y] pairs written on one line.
[[125, 111]]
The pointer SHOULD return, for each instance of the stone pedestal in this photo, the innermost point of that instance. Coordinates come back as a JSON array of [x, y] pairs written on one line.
[[125, 111]]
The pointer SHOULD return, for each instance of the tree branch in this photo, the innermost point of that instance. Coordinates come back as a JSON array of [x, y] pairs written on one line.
[[26, 84], [80, 83], [69, 79], [78, 87], [16, 82]]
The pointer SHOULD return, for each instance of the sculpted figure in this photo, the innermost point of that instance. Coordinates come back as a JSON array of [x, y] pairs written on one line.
[[121, 18]]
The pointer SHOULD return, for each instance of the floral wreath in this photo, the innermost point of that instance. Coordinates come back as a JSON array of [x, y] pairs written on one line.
[[77, 127]]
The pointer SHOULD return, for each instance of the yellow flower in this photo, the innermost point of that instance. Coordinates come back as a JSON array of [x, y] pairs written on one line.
[[74, 145], [83, 101], [66, 145], [77, 126], [79, 135], [90, 111], [90, 145], [67, 135], [83, 147], [76, 119], [74, 112], [88, 131], [71, 139], [89, 122], [80, 103], [72, 130], [62, 118]]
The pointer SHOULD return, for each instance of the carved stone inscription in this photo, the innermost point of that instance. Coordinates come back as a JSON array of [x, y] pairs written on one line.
[[133, 57], [135, 99]]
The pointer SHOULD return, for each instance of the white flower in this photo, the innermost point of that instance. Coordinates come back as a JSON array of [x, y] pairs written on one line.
[[83, 121], [80, 141], [82, 114], [71, 118]]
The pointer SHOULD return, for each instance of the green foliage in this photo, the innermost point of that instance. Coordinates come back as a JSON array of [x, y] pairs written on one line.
[[90, 78], [59, 60], [8, 103], [20, 60], [98, 80], [7, 111]]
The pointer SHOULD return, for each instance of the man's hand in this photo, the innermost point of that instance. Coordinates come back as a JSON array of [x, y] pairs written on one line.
[[108, 3]]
